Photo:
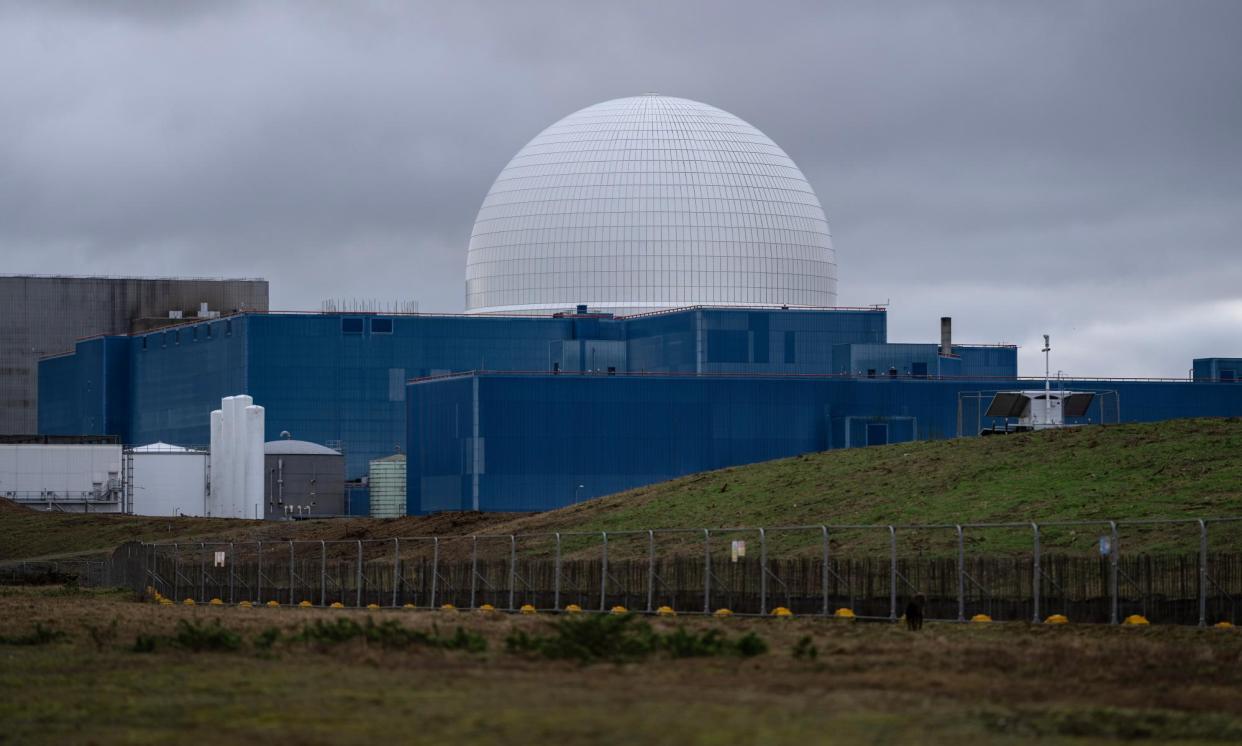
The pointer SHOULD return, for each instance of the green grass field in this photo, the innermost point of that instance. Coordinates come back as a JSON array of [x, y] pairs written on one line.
[[1181, 468], [89, 678]]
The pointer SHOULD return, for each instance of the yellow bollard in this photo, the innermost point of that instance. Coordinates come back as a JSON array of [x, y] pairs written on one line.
[[215, 602], [665, 611], [373, 606], [528, 609], [843, 613], [981, 618], [1223, 625], [781, 611], [573, 609], [273, 604], [409, 606], [722, 613], [188, 602], [1057, 619], [337, 605], [305, 605], [620, 610], [486, 609], [448, 607], [244, 605], [1136, 620]]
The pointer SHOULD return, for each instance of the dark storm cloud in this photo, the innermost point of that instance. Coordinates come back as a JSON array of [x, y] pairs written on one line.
[[1071, 168]]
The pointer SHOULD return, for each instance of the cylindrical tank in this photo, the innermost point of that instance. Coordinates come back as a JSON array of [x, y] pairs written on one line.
[[387, 485], [302, 479], [215, 479], [252, 506]]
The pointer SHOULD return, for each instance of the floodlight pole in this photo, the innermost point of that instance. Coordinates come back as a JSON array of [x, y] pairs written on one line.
[[1047, 381]]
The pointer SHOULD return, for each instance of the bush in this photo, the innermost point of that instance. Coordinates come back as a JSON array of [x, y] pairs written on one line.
[[389, 634], [620, 638], [144, 644], [103, 637], [206, 637], [681, 643], [804, 649], [750, 644], [267, 638], [40, 635]]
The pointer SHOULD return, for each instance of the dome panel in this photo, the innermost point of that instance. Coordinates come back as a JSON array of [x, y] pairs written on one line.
[[645, 203]]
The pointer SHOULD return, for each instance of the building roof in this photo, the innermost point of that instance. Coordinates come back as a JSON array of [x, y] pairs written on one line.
[[297, 448]]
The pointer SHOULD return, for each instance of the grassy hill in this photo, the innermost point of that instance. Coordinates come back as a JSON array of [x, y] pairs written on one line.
[[1181, 468]]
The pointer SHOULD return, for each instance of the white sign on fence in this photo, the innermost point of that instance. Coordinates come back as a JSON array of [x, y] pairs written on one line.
[[219, 559], [738, 549]]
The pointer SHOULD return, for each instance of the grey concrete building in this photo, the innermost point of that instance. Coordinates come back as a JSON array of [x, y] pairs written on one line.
[[45, 315]]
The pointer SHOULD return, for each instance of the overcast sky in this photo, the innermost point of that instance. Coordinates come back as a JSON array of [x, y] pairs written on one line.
[[1072, 168]]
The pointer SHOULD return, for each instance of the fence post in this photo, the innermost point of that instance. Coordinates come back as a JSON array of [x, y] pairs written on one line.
[[259, 580], [707, 571], [435, 568], [512, 570], [1203, 576], [232, 556], [824, 579], [763, 571], [650, 571], [202, 571], [556, 582], [892, 574], [603, 577], [1112, 574], [1037, 576], [474, 566], [176, 570], [292, 602], [323, 573], [396, 570], [358, 578], [961, 575]]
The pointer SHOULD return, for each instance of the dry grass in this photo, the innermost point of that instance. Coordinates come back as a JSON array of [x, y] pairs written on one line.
[[869, 683]]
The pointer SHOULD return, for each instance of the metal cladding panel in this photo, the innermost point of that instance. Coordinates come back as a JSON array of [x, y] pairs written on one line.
[[168, 484], [552, 440], [42, 316], [179, 376], [387, 487], [314, 482], [987, 361], [649, 202]]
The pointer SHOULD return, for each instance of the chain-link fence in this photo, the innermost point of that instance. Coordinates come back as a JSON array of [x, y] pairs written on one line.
[[1181, 572]]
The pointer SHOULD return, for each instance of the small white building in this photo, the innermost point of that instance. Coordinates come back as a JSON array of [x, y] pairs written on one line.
[[387, 486], [63, 473], [168, 480]]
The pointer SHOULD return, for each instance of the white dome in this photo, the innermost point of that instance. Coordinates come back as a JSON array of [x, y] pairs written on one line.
[[644, 203]]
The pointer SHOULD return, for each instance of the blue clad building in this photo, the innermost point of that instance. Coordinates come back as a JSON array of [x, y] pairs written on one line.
[[695, 234]]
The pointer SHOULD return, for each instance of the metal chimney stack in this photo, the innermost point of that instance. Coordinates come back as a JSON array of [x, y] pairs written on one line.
[[946, 335]]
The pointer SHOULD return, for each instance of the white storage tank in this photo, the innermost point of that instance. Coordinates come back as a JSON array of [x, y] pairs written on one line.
[[387, 485], [168, 480]]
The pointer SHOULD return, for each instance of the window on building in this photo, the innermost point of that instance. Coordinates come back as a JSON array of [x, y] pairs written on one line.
[[351, 325], [1228, 375], [381, 326]]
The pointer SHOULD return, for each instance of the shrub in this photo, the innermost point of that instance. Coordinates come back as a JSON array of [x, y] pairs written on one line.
[[681, 643], [750, 644], [103, 637], [40, 635], [267, 638], [804, 649], [144, 644], [201, 637]]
